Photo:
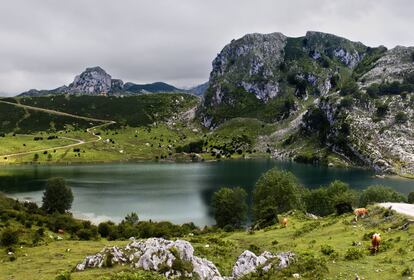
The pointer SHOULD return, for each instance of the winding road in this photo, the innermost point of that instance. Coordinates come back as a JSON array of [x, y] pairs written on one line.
[[79, 141]]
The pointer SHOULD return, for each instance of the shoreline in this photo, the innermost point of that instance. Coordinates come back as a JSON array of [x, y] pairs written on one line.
[[202, 160]]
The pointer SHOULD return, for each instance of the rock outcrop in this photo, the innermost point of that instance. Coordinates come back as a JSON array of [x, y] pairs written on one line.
[[176, 258]]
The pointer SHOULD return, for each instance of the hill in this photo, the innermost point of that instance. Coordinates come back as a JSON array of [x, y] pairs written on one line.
[[95, 81], [325, 248], [331, 96]]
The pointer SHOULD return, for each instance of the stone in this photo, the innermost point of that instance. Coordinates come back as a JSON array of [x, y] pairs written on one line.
[[156, 254]]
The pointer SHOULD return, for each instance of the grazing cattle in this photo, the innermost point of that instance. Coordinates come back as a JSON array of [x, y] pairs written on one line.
[[284, 222], [375, 242], [360, 212], [61, 231]]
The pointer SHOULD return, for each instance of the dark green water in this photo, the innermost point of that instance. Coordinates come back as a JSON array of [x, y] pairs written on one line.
[[177, 192]]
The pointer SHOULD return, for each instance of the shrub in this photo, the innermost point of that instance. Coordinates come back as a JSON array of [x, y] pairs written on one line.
[[349, 87], [106, 228], [8, 237], [230, 207], [374, 194], [353, 254], [87, 233], [64, 275], [382, 109], [57, 197], [317, 202], [411, 197], [401, 117], [341, 197], [274, 193]]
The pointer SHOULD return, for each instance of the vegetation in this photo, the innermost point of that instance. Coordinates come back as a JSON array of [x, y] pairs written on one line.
[[230, 207], [57, 197], [374, 194], [275, 192]]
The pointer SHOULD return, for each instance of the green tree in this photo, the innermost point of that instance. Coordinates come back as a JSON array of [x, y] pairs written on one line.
[[377, 194], [57, 197], [132, 218], [341, 197], [230, 207], [276, 192], [317, 202]]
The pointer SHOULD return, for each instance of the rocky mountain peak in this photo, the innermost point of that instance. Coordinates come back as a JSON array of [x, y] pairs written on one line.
[[93, 80]]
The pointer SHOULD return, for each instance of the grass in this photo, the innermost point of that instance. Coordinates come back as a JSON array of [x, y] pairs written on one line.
[[306, 237], [21, 143]]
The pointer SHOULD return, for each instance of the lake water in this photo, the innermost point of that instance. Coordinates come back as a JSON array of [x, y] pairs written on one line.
[[177, 192]]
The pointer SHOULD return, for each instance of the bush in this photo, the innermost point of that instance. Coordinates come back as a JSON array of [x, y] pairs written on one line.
[[401, 117], [106, 228], [349, 87], [376, 194], [64, 275], [318, 202], [57, 197], [411, 197], [327, 250], [341, 197], [230, 207], [353, 254], [276, 192], [8, 237]]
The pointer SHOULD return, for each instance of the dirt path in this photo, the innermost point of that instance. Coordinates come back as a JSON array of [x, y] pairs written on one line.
[[79, 141], [54, 112], [402, 208]]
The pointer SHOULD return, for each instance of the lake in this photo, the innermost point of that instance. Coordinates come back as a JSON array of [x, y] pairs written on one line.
[[177, 192]]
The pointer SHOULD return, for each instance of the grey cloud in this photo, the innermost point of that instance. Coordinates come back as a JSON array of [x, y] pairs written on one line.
[[45, 43]]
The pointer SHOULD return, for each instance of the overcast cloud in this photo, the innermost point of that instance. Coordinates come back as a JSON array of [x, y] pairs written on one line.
[[45, 43]]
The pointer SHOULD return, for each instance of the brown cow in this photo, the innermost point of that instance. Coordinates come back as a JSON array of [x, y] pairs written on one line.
[[61, 231], [375, 242], [284, 222], [360, 212]]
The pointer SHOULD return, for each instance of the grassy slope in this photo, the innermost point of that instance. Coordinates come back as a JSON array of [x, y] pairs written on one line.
[[302, 236]]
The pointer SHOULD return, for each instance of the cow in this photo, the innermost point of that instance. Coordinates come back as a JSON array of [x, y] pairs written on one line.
[[360, 212], [375, 242], [284, 222], [61, 231]]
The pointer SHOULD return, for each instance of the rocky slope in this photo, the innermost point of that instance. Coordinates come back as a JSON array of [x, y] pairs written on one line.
[[175, 259], [95, 81], [356, 100]]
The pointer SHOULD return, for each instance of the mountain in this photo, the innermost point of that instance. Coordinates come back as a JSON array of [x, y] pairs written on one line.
[[333, 95], [96, 81], [200, 89]]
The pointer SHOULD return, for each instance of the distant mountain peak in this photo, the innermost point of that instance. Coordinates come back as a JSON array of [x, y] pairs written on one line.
[[96, 81]]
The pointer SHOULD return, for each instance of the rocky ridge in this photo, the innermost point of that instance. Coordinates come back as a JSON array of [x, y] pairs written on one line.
[[96, 81], [253, 75], [175, 259]]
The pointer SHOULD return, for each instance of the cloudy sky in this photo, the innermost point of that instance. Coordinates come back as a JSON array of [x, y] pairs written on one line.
[[45, 43]]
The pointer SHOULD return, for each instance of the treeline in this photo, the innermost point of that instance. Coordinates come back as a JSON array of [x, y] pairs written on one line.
[[277, 192]]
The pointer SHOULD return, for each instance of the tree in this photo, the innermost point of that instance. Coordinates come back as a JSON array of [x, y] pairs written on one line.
[[274, 193], [230, 207], [377, 194], [318, 203], [57, 197], [131, 219], [341, 197]]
